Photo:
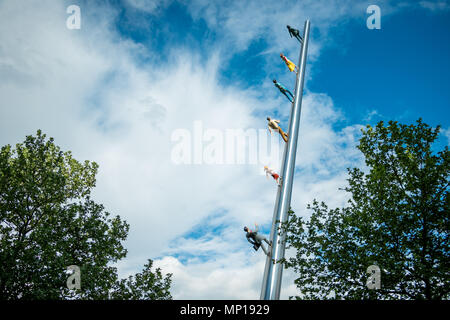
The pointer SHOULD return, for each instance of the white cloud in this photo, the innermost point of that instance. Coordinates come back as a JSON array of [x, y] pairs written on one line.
[[446, 133], [149, 6], [435, 5], [85, 89]]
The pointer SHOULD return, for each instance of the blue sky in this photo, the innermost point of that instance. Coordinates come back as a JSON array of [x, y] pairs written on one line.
[[398, 70], [116, 90]]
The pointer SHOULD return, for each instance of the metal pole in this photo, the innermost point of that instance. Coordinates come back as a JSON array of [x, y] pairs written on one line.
[[273, 271]]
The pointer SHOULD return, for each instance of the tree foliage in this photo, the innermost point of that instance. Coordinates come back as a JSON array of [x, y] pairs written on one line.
[[397, 218], [147, 285], [48, 222]]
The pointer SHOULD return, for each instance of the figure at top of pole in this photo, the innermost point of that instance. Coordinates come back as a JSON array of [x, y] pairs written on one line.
[[292, 67], [274, 124], [295, 33], [256, 239], [283, 90]]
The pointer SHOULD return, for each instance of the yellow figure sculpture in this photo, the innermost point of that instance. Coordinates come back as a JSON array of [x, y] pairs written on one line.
[[289, 63]]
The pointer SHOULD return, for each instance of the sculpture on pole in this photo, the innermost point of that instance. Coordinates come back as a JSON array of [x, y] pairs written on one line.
[[295, 33], [283, 90], [274, 124], [274, 175], [271, 284], [256, 239], [292, 67]]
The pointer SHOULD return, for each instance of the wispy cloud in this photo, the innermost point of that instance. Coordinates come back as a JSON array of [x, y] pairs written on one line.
[[435, 5], [149, 6]]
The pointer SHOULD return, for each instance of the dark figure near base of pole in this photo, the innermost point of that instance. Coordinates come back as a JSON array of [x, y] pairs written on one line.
[[295, 33], [256, 239], [283, 90]]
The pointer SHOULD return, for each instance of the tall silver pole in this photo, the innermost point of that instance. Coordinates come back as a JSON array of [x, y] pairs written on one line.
[[273, 271]]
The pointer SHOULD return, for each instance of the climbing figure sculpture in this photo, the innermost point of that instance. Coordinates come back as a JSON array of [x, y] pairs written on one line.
[[274, 124], [295, 33], [256, 239], [283, 90], [292, 67], [274, 175]]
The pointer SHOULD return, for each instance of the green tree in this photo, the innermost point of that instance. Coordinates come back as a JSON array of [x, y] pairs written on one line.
[[48, 222], [147, 285], [397, 218]]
